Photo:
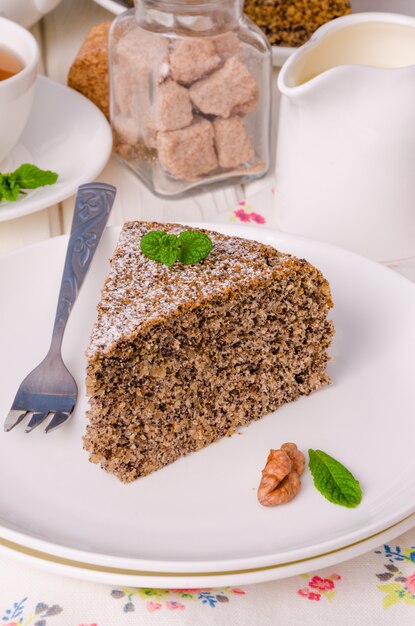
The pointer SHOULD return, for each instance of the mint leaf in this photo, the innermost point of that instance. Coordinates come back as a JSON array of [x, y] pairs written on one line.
[[159, 246], [194, 246], [9, 188], [191, 246], [26, 176], [333, 480], [29, 176]]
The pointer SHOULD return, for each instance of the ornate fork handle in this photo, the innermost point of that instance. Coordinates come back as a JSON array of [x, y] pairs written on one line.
[[93, 205]]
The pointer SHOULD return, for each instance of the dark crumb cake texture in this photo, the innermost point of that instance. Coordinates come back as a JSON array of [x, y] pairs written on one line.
[[181, 356]]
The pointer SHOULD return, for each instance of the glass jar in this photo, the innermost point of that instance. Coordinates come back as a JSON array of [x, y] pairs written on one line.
[[190, 85]]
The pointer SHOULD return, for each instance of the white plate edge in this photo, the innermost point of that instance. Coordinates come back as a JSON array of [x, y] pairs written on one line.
[[217, 579]]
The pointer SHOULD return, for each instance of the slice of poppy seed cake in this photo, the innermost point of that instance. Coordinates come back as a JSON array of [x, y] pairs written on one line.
[[181, 356]]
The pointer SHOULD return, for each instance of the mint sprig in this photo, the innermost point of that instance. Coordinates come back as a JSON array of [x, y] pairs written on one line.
[[333, 480], [189, 247], [9, 188], [26, 176], [159, 246], [193, 246]]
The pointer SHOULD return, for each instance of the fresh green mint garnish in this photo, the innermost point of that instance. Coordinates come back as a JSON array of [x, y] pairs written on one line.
[[193, 246], [159, 246], [333, 480], [26, 176], [9, 188], [30, 177], [190, 246]]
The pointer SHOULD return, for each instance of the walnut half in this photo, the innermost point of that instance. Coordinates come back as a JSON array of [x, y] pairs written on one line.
[[281, 475]]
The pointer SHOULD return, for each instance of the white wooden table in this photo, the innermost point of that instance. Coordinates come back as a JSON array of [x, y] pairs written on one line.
[[338, 597], [60, 35]]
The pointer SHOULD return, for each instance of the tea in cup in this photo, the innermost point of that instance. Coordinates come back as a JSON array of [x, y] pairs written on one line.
[[10, 64], [19, 59]]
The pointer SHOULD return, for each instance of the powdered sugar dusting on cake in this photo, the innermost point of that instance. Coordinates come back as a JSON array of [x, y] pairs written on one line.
[[140, 292]]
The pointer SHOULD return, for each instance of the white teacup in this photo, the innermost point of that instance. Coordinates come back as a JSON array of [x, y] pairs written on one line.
[[16, 92]]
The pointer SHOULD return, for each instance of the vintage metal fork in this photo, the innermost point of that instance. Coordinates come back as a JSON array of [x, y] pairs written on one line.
[[50, 389]]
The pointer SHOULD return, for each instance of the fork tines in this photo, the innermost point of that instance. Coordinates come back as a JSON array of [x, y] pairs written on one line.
[[39, 406]]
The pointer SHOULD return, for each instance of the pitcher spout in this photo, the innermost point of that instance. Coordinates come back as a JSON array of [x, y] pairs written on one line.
[[372, 40]]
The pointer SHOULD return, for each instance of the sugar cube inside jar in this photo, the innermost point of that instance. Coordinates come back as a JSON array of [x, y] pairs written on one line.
[[190, 86]]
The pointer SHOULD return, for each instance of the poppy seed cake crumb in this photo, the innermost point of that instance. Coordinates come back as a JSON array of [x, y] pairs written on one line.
[[181, 356]]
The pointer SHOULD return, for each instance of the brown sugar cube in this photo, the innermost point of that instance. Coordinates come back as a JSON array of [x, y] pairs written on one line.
[[135, 59], [232, 143], [174, 108], [229, 87], [143, 46], [189, 152], [246, 107], [227, 44], [192, 59], [131, 115], [89, 71], [126, 129]]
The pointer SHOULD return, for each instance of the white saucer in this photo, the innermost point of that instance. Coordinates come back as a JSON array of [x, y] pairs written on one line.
[[65, 133], [279, 53]]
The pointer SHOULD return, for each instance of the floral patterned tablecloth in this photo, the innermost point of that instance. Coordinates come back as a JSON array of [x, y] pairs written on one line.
[[377, 588]]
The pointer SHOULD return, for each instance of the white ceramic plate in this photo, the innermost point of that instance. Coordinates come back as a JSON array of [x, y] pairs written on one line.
[[200, 515], [65, 133], [131, 578], [279, 53]]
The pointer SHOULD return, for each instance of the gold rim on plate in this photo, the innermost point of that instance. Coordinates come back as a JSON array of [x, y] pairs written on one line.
[[45, 556]]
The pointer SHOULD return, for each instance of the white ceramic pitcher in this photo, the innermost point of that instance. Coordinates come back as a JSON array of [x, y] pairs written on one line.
[[346, 140]]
